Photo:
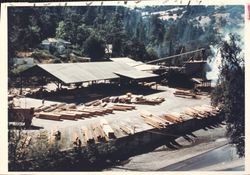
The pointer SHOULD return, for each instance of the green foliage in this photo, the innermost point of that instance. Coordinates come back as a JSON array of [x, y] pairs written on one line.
[[123, 27], [230, 92], [94, 48], [152, 55], [60, 30]]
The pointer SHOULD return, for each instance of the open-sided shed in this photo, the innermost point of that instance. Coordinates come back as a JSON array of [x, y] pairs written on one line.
[[70, 73]]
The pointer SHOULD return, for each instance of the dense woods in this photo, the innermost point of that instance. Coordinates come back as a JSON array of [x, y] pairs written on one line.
[[140, 33]]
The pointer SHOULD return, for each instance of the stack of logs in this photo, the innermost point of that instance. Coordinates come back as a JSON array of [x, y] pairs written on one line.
[[147, 101], [136, 99], [164, 120], [185, 94], [73, 112]]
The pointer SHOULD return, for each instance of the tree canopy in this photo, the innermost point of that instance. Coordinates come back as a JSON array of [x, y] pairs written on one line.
[[229, 93]]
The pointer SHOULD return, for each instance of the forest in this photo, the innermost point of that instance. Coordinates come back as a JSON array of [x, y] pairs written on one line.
[[140, 33]]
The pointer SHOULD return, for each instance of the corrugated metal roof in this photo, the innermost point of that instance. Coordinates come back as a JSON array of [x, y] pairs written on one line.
[[126, 60], [135, 74], [91, 71], [136, 64]]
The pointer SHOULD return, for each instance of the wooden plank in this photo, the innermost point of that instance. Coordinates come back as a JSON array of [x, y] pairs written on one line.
[[126, 129], [161, 120], [172, 118], [88, 135], [71, 106], [152, 123], [49, 116], [107, 129], [67, 116], [128, 106], [119, 108], [98, 132]]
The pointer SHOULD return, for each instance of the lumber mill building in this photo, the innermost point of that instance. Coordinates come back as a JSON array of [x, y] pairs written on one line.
[[77, 73]]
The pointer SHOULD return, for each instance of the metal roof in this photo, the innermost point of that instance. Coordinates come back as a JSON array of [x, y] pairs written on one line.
[[84, 72], [126, 60], [136, 64], [135, 74]]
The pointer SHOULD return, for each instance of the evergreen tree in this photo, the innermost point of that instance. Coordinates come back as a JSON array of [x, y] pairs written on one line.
[[230, 92]]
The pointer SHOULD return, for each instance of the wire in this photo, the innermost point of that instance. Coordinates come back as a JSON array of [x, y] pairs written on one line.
[[169, 57]]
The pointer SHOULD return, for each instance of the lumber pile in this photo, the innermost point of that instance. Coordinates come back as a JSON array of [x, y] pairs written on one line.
[[201, 111], [155, 121], [109, 132], [67, 115], [48, 116], [98, 133], [129, 98], [119, 107], [173, 118], [88, 135], [185, 94], [126, 129], [149, 101]]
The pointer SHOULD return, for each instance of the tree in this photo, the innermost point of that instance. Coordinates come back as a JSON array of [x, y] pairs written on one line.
[[61, 30], [94, 47], [229, 94]]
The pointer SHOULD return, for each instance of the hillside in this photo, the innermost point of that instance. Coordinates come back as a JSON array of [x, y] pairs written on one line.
[[140, 33]]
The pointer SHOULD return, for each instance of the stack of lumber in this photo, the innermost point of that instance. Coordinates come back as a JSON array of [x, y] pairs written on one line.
[[50, 107], [126, 129], [137, 99], [94, 103], [172, 118], [109, 132], [155, 121], [97, 110], [119, 107], [185, 94], [98, 133], [201, 111], [88, 135], [67, 115], [147, 101], [48, 116]]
